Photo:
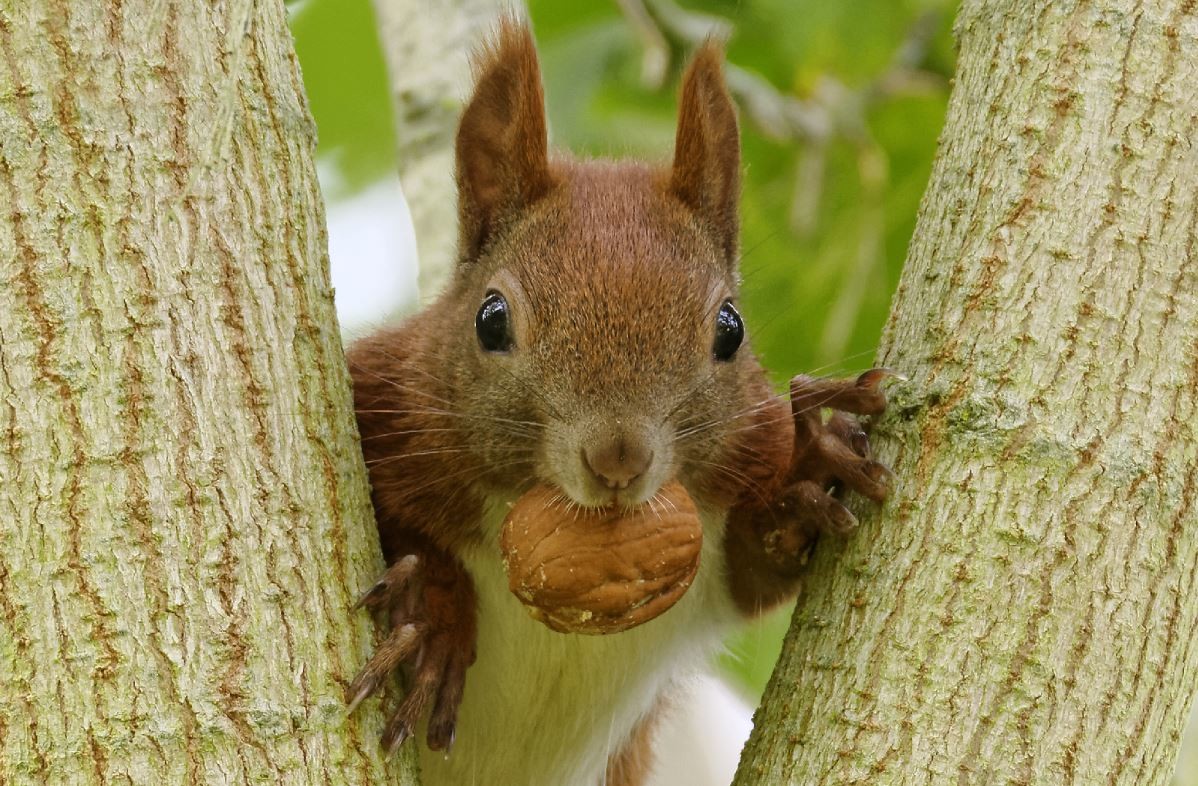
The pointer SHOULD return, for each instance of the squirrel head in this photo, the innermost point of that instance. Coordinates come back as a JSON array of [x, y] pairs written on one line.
[[597, 299]]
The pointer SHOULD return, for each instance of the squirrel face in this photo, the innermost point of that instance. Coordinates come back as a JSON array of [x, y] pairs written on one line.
[[616, 311], [601, 294]]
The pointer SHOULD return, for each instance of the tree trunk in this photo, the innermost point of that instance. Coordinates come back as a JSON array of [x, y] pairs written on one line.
[[1025, 609], [184, 516], [428, 66]]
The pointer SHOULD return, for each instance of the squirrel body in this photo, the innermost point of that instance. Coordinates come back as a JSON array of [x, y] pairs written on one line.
[[542, 707], [588, 341]]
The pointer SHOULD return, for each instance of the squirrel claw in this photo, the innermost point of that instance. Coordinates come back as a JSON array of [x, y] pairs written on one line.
[[394, 579], [359, 697], [860, 396], [820, 508], [369, 595], [400, 643], [393, 738], [803, 513], [432, 637], [875, 376], [829, 455], [836, 452], [441, 738]]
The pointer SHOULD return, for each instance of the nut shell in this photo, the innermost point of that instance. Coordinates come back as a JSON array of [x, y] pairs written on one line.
[[600, 570]]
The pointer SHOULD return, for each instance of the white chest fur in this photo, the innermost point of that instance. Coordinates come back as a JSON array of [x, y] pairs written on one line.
[[548, 709]]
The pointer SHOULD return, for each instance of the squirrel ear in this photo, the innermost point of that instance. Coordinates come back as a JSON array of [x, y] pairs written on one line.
[[706, 171], [502, 148]]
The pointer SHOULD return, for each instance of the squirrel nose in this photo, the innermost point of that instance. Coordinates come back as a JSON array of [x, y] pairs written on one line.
[[617, 462]]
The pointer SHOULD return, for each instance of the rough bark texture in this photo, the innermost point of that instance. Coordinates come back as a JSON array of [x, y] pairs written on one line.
[[1025, 609], [427, 54], [184, 516]]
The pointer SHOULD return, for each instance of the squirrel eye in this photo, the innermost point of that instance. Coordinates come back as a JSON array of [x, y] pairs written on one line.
[[729, 332], [493, 324]]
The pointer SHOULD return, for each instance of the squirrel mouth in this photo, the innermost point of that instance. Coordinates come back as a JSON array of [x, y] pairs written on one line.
[[607, 473], [625, 499]]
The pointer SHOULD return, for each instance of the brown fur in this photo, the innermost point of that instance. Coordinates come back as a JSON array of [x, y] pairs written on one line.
[[614, 272], [502, 147], [411, 433], [706, 173]]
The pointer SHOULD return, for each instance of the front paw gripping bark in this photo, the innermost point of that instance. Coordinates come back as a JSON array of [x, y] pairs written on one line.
[[768, 544], [430, 601]]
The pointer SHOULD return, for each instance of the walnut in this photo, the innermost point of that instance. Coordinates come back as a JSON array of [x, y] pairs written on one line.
[[600, 570]]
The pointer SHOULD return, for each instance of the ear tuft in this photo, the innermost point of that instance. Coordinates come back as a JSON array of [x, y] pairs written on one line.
[[706, 171], [502, 146]]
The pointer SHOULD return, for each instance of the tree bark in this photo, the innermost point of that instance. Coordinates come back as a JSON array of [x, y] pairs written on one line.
[[184, 517], [1024, 610], [428, 66], [1186, 773]]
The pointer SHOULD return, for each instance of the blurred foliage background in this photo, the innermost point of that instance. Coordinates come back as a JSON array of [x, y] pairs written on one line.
[[841, 107]]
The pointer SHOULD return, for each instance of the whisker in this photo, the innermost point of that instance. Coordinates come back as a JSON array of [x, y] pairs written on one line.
[[478, 472], [449, 414], [667, 501], [532, 389], [752, 409], [435, 452], [815, 372], [396, 383], [524, 384], [735, 475], [409, 431], [652, 502], [707, 425]]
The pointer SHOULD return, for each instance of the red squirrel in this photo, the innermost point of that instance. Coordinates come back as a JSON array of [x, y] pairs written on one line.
[[589, 339]]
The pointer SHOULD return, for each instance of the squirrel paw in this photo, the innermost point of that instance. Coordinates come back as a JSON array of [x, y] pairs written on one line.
[[828, 456], [430, 599]]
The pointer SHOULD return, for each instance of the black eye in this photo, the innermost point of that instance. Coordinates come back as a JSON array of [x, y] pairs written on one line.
[[729, 332], [493, 324]]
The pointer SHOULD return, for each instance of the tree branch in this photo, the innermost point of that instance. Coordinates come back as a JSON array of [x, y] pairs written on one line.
[[1024, 609]]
